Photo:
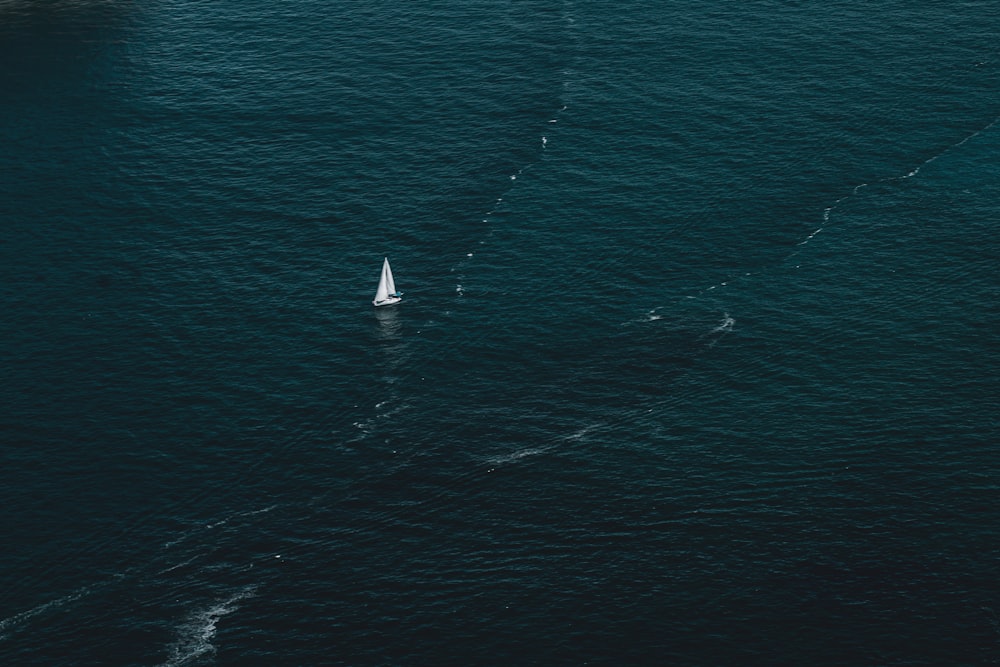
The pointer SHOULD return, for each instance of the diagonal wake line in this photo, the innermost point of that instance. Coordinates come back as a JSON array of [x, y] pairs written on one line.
[[498, 203], [895, 179], [828, 211]]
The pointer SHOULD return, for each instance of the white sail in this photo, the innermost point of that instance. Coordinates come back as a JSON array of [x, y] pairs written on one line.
[[383, 285], [386, 293], [390, 284]]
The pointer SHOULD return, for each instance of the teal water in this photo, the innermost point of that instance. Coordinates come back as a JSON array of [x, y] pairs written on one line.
[[696, 362]]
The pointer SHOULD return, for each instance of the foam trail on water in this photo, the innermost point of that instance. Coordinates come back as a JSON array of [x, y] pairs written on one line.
[[726, 325], [515, 456], [13, 623], [896, 179], [239, 515], [18, 622], [487, 217], [722, 329], [545, 140], [215, 524], [177, 566], [579, 435], [855, 190], [196, 633]]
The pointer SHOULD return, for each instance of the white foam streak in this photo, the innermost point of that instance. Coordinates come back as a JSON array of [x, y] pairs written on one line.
[[578, 435], [196, 633], [893, 179], [180, 565], [716, 334], [216, 524], [11, 624], [817, 231], [726, 325], [238, 515], [513, 179], [516, 456]]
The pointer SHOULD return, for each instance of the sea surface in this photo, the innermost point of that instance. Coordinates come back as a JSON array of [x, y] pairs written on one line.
[[697, 360]]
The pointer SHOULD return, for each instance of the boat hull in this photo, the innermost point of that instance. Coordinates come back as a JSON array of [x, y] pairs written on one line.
[[388, 301]]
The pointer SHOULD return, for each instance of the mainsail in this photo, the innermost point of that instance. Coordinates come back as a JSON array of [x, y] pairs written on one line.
[[386, 293]]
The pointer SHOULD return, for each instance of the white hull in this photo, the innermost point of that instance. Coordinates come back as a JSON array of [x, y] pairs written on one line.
[[388, 301]]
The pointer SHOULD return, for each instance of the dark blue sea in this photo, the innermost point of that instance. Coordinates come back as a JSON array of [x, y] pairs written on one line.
[[697, 360]]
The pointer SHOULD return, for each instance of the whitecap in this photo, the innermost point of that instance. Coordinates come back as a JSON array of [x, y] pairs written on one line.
[[652, 316]]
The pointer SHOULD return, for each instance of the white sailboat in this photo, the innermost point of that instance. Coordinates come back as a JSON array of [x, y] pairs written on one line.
[[386, 294]]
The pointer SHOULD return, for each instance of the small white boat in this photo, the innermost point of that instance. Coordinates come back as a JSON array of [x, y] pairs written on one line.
[[386, 294]]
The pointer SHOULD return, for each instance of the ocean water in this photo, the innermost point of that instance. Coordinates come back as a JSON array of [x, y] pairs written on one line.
[[696, 362]]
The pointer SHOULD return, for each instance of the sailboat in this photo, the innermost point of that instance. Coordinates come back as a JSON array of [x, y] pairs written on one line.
[[386, 294]]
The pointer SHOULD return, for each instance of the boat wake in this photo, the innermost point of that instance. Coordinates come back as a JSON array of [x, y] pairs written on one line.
[[516, 456], [854, 191], [239, 515], [234, 517], [12, 624], [195, 634], [158, 565], [895, 179], [544, 138]]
